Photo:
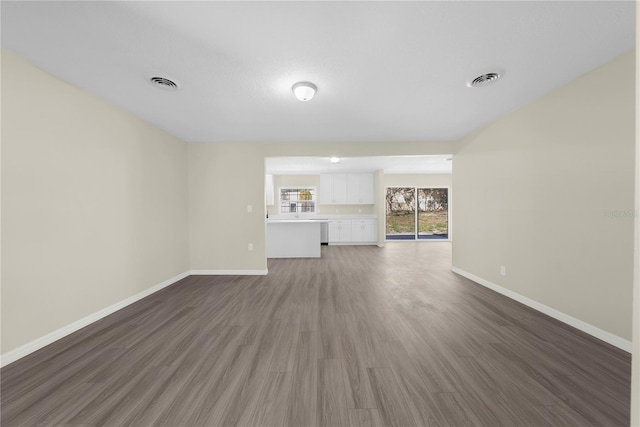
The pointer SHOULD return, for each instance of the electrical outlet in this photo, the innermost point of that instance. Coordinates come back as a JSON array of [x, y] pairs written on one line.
[[250, 246], [249, 208], [503, 270]]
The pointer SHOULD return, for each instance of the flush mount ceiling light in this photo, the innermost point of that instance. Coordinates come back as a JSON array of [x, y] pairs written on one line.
[[334, 159], [484, 79], [304, 91], [164, 83]]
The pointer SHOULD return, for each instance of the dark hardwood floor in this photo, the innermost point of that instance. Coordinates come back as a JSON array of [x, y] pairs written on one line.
[[363, 337]]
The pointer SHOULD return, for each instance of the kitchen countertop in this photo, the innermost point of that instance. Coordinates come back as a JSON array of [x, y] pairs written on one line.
[[321, 217]]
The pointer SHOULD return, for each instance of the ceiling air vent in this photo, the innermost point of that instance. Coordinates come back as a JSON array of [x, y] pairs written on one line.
[[164, 83], [484, 80]]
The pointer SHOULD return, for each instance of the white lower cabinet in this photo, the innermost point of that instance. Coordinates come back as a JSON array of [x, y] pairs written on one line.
[[352, 231], [363, 230], [339, 231]]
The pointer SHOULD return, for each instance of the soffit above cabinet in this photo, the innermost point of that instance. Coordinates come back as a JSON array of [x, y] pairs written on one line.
[[389, 164]]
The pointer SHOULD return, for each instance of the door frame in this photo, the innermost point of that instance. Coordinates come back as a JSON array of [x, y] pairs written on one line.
[[416, 239]]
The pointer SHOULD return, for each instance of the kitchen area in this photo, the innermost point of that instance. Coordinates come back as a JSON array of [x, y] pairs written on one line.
[[306, 210], [315, 201]]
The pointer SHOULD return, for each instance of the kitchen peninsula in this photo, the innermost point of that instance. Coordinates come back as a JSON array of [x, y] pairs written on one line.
[[294, 238], [301, 237]]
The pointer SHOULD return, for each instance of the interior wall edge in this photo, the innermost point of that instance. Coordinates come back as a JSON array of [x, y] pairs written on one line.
[[583, 326], [635, 334]]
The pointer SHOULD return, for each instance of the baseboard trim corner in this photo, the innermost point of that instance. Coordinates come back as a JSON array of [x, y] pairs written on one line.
[[594, 331], [229, 272], [38, 343]]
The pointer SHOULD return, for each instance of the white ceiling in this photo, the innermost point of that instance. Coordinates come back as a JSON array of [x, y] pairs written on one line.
[[391, 165], [386, 71]]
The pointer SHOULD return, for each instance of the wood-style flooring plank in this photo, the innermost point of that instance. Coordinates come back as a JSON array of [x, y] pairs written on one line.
[[561, 415], [239, 399], [364, 418], [356, 379], [390, 401], [328, 334], [602, 409], [273, 403], [303, 398], [427, 407], [332, 401]]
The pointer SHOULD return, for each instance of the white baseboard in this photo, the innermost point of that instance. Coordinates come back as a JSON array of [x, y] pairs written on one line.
[[605, 336], [45, 340], [229, 272], [353, 243]]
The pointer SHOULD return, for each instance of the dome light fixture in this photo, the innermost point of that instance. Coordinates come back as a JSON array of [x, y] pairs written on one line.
[[304, 91]]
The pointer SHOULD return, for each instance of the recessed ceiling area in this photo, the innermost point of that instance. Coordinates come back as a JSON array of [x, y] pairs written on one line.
[[385, 71], [391, 165]]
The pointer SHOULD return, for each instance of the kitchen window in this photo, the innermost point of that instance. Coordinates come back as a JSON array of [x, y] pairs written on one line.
[[298, 200]]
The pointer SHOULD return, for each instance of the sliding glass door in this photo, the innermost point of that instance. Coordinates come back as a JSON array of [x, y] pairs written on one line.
[[417, 213]]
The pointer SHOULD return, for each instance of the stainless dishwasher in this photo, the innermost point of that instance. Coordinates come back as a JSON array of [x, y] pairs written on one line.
[[324, 233]]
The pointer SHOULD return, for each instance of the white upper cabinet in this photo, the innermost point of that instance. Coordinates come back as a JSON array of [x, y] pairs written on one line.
[[333, 189], [346, 189], [353, 189], [360, 189], [340, 189], [326, 189], [367, 189]]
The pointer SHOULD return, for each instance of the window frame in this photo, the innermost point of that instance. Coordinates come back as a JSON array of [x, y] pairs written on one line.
[[297, 212]]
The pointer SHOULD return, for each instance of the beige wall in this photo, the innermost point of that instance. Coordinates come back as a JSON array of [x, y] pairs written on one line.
[[94, 204], [223, 180], [355, 149], [533, 191], [221, 228], [418, 180]]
